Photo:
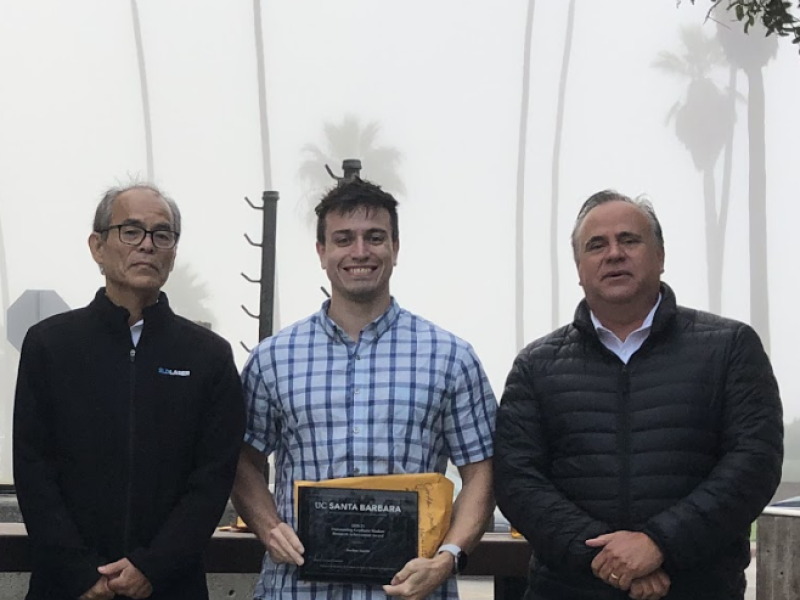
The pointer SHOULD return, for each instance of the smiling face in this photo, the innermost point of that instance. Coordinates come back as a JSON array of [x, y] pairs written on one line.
[[619, 259], [359, 255], [134, 270]]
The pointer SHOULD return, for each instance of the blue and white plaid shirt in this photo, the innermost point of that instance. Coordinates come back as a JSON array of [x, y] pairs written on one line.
[[403, 399]]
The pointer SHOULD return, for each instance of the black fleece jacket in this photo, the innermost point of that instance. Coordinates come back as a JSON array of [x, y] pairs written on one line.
[[683, 443], [123, 451]]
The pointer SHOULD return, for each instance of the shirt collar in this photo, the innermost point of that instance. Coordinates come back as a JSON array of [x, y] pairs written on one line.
[[136, 331], [372, 331], [118, 316], [646, 324]]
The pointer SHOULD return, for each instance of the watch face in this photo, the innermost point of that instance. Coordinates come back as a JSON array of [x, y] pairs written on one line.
[[461, 562]]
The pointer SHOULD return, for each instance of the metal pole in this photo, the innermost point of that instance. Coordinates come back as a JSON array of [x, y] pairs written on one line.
[[268, 233], [351, 167]]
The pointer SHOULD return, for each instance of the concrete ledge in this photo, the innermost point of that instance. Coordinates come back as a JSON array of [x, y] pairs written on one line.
[[9, 511]]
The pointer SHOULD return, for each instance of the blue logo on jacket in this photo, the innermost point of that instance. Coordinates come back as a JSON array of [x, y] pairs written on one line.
[[174, 372]]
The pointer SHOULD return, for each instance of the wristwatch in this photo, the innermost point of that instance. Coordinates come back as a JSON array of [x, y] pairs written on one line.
[[461, 558]]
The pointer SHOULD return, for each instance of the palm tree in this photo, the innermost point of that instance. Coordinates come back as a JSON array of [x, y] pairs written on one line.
[[148, 128], [349, 139], [751, 52], [522, 153], [262, 96], [266, 166], [704, 122], [188, 294], [4, 294], [6, 363], [556, 166], [727, 163]]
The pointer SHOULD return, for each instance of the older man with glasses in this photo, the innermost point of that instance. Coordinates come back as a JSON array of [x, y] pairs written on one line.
[[127, 423]]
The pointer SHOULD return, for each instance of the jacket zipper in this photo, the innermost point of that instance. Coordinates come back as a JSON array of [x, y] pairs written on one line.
[[624, 440], [131, 432]]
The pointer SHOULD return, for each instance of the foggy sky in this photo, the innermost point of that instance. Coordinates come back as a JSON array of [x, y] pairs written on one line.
[[443, 79]]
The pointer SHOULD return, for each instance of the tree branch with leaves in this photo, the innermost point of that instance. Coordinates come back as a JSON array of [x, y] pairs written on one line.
[[775, 15]]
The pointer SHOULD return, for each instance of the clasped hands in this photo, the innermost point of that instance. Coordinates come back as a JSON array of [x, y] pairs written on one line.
[[415, 581], [119, 577], [630, 561]]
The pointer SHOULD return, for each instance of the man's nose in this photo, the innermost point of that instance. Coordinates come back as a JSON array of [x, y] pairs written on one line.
[[615, 251], [146, 245], [360, 247]]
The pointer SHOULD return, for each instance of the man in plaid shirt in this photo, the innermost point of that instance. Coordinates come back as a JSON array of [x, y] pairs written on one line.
[[362, 388]]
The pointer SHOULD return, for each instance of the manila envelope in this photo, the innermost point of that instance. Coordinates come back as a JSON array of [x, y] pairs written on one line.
[[435, 500]]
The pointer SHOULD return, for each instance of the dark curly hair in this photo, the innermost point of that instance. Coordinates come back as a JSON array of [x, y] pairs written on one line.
[[350, 196]]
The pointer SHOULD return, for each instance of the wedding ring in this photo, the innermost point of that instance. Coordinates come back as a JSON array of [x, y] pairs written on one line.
[[614, 576]]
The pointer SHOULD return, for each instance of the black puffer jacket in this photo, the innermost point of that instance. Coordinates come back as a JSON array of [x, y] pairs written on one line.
[[683, 443]]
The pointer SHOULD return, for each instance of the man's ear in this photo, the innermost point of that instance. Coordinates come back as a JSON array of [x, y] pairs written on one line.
[[96, 245], [320, 252]]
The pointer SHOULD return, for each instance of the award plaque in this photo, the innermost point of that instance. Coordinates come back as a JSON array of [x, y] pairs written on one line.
[[356, 535]]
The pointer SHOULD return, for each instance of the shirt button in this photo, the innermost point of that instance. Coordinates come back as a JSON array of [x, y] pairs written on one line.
[[356, 430], [356, 471], [357, 390]]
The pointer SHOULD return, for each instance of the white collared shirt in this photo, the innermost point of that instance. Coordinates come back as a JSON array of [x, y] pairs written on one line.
[[136, 331], [634, 340]]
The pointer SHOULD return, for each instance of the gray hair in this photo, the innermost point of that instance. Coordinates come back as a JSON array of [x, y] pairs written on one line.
[[102, 216], [641, 202]]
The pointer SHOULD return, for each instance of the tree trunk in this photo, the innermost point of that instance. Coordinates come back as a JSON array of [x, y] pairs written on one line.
[[4, 294], [712, 241], [519, 231], [262, 97], [727, 171], [759, 280], [148, 129], [7, 375], [554, 239], [266, 166]]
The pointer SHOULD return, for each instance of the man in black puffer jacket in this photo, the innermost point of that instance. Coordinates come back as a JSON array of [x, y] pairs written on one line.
[[635, 446]]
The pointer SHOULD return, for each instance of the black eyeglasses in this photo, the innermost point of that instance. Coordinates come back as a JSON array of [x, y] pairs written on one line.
[[133, 235]]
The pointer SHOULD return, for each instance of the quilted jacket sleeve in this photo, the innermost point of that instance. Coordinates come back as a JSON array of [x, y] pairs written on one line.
[[724, 505], [556, 528]]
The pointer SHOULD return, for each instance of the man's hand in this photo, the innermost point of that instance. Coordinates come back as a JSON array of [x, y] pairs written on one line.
[[126, 580], [284, 546], [625, 556], [420, 576], [650, 587], [99, 591]]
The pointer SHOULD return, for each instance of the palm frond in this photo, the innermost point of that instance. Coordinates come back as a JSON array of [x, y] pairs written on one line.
[[671, 63], [349, 138]]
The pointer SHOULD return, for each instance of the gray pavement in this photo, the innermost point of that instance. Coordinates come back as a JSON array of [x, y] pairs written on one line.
[[239, 587]]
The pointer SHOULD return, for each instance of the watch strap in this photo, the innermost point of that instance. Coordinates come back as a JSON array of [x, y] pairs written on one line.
[[457, 553]]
